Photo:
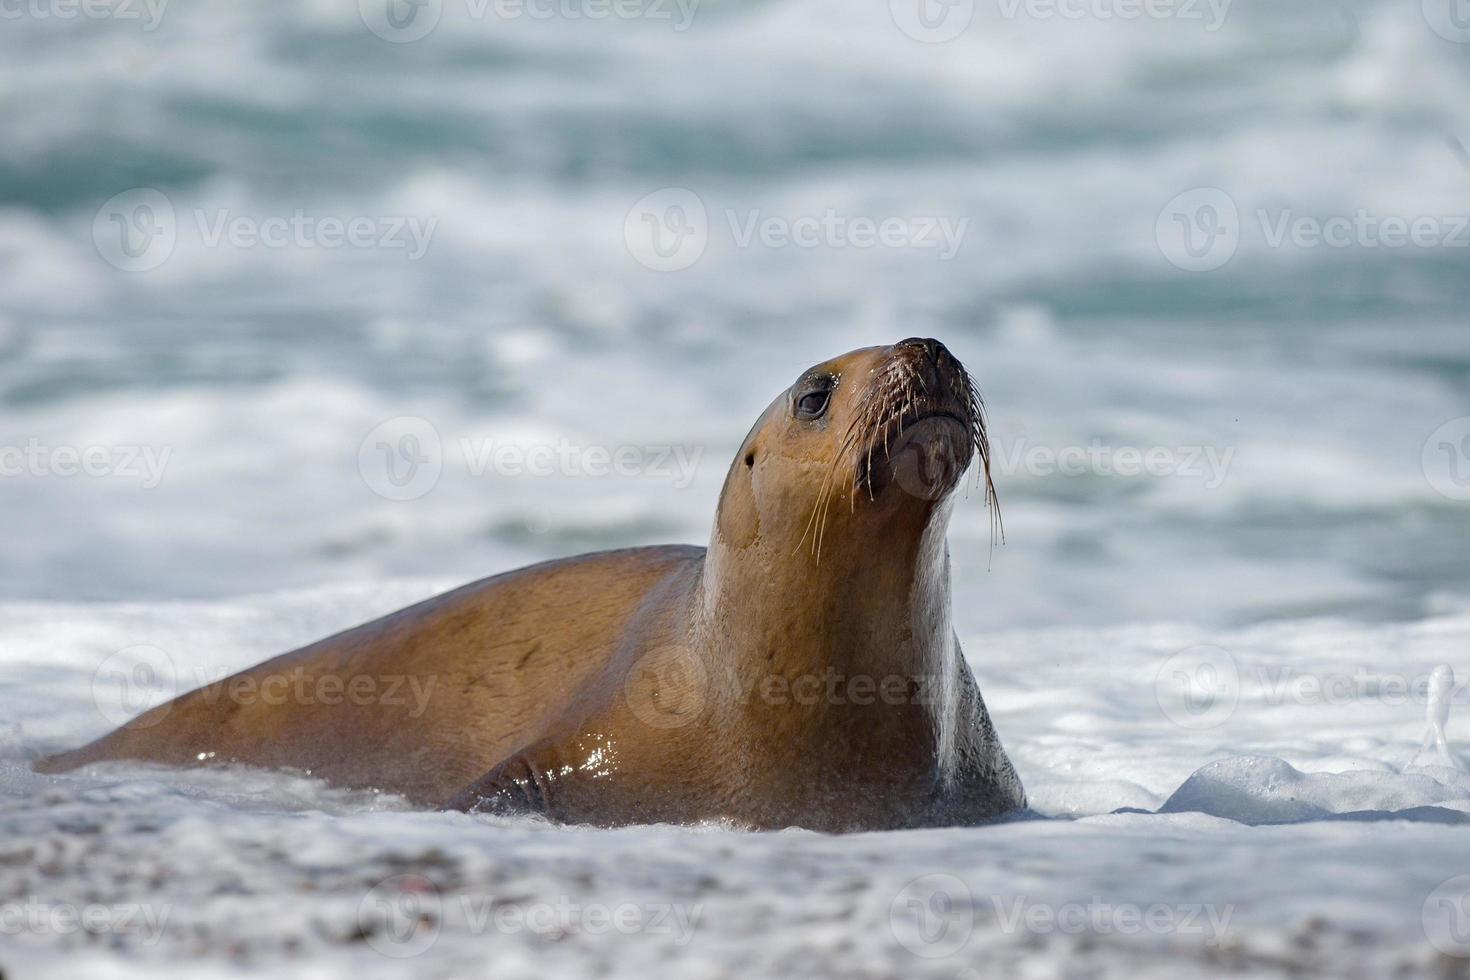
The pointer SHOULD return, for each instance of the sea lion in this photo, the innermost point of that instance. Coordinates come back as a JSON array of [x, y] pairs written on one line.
[[800, 671]]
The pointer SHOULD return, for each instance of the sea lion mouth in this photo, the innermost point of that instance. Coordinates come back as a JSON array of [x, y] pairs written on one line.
[[925, 454]]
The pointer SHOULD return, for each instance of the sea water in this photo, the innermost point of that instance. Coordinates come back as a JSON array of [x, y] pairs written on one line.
[[303, 318]]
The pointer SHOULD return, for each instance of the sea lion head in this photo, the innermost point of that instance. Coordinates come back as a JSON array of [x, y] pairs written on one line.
[[873, 442]]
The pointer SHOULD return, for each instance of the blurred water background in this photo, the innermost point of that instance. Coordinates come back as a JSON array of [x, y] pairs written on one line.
[[1116, 277]]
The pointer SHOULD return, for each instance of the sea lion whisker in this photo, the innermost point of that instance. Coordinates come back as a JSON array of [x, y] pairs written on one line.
[[811, 522], [820, 517], [822, 529], [980, 438]]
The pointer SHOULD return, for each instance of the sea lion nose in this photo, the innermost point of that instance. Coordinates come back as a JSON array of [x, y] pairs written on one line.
[[932, 363], [928, 345]]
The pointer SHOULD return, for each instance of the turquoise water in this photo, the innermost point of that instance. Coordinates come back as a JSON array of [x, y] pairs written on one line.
[[1037, 175]]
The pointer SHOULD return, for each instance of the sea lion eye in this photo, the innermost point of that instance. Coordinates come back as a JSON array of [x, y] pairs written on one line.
[[812, 402]]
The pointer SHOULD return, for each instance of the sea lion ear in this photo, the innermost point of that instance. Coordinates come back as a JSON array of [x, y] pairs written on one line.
[[738, 521]]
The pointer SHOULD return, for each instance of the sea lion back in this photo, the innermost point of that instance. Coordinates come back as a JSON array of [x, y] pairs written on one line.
[[422, 701]]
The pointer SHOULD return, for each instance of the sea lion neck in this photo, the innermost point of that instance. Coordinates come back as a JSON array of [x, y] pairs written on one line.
[[854, 653], [867, 605]]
